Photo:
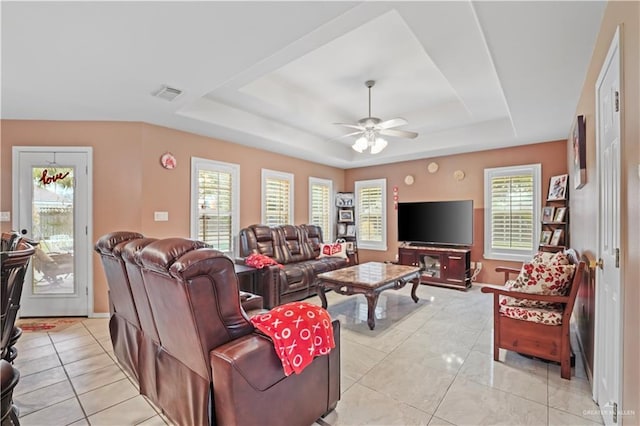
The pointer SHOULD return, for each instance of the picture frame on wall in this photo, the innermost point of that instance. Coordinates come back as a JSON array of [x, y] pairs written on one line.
[[345, 199], [345, 215], [579, 152], [547, 213], [556, 237], [558, 187], [545, 237]]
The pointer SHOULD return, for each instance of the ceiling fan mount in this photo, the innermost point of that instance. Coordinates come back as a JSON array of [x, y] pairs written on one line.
[[370, 129]]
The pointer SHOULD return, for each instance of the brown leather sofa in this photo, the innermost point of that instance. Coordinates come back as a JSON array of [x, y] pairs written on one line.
[[179, 328], [296, 248]]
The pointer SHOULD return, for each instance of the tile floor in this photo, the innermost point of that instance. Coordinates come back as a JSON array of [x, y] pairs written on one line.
[[429, 363]]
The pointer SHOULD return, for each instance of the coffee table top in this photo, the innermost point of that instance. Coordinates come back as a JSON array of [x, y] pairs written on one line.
[[370, 274]]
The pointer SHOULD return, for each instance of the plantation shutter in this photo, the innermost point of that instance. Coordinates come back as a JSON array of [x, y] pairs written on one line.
[[215, 209], [321, 207], [512, 212], [277, 196], [370, 217]]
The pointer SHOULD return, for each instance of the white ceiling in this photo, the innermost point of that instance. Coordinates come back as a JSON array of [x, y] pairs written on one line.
[[466, 75]]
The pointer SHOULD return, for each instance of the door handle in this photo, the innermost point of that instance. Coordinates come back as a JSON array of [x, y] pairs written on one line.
[[597, 264]]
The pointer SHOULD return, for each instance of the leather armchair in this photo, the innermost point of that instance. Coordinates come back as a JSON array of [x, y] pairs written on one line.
[[203, 362]]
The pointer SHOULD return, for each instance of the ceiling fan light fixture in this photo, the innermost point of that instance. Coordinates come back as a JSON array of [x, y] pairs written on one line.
[[378, 145], [360, 144]]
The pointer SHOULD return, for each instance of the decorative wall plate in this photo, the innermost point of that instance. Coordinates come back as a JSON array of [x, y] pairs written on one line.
[[432, 167], [168, 161], [408, 180], [458, 175]]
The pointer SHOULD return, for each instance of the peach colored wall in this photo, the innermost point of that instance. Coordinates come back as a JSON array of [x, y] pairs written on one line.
[[130, 184], [584, 201], [442, 186]]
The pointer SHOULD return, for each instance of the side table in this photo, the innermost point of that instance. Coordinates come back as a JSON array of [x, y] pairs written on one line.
[[251, 273]]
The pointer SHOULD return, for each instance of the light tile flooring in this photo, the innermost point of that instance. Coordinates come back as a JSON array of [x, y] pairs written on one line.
[[424, 364]]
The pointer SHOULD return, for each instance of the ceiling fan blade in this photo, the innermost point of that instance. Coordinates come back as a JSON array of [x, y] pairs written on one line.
[[398, 133], [353, 126], [350, 134], [394, 122]]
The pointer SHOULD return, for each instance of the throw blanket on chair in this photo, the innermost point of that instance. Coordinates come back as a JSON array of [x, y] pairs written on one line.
[[299, 331]]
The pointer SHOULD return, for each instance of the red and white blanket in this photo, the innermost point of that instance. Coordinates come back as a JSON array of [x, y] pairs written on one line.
[[300, 331]]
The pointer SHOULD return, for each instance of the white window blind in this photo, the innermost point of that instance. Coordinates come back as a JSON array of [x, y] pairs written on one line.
[[320, 202], [512, 217], [371, 207], [277, 198], [215, 194]]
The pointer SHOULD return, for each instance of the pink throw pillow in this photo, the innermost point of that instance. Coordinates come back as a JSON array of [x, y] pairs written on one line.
[[333, 250]]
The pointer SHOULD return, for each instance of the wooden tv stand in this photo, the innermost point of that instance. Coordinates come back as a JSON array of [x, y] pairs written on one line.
[[441, 266]]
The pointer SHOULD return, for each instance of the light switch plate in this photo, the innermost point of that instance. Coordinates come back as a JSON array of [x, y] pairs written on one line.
[[161, 216], [5, 216]]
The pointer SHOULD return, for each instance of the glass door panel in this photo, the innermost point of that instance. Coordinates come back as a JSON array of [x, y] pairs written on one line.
[[52, 227]]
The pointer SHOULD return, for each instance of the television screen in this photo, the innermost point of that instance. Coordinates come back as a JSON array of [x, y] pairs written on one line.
[[436, 222]]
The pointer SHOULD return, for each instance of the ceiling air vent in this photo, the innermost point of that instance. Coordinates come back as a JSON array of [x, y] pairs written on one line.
[[168, 93]]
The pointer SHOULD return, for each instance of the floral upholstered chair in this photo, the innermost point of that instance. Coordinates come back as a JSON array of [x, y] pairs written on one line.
[[532, 313]]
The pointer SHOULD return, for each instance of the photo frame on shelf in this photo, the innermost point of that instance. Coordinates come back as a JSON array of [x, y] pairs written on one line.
[[558, 188], [345, 215], [545, 238], [344, 199], [547, 213], [351, 231], [579, 153], [555, 238], [349, 245], [559, 216], [342, 229]]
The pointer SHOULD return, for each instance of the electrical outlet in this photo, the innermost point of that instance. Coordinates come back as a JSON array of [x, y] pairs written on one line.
[[473, 265], [5, 216], [479, 265]]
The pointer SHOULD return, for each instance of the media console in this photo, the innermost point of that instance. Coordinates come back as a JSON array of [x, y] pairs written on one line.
[[441, 266]]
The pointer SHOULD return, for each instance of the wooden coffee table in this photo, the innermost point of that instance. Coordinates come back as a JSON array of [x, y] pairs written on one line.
[[370, 279]]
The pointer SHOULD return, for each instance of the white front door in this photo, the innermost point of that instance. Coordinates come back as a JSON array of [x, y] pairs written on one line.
[[607, 374], [51, 206]]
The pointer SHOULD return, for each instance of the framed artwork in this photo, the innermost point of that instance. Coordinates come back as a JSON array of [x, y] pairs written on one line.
[[547, 213], [345, 215], [351, 231], [545, 237], [558, 188], [344, 199], [579, 153], [555, 238], [349, 245], [559, 217], [342, 229]]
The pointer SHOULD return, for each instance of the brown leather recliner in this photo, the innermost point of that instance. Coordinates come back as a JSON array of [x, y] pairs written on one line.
[[297, 249], [209, 365]]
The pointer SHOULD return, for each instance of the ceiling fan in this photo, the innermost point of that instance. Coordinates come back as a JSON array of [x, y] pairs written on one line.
[[371, 128]]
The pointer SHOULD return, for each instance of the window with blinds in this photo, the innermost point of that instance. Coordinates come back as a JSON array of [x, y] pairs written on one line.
[[215, 213], [277, 198], [371, 208], [320, 202], [512, 202]]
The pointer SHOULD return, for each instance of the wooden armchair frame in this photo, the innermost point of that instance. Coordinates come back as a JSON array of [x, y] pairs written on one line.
[[550, 342]]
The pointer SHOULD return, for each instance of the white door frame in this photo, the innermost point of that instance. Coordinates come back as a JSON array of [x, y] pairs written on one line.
[[599, 350], [15, 205]]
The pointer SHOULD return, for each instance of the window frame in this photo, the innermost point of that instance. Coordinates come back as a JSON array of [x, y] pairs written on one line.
[[327, 234], [512, 254], [377, 183], [198, 164], [275, 174]]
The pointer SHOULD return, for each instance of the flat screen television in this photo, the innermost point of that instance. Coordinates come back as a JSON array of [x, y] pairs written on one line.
[[436, 222]]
